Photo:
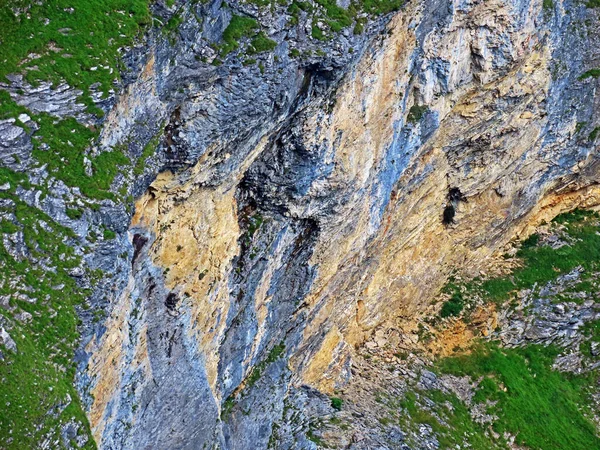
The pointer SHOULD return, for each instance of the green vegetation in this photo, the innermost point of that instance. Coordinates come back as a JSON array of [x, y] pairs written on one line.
[[455, 304], [254, 224], [542, 263], [261, 43], [74, 213], [518, 385], [416, 113], [275, 353], [336, 403], [530, 396], [338, 18], [295, 8], [449, 419], [331, 17], [76, 41], [147, 152], [7, 227], [317, 33], [311, 436], [379, 7], [61, 145], [245, 27], [592, 73], [257, 371], [539, 263], [39, 376], [227, 407], [238, 28], [592, 331]]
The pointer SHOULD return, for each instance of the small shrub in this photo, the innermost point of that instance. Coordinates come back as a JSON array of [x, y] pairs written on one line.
[[109, 234], [74, 213], [416, 113], [531, 241], [336, 403], [453, 307], [317, 33]]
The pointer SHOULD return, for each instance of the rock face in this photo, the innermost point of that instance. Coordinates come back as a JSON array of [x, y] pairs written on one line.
[[308, 206], [296, 206]]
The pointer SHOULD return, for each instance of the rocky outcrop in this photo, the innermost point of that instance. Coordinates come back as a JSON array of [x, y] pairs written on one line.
[[306, 209], [288, 206]]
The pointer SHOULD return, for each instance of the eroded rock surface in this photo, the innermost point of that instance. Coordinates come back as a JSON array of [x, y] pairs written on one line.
[[309, 206], [297, 208]]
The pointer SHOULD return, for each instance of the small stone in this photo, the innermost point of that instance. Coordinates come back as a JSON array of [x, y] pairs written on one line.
[[7, 341], [76, 272], [23, 316], [371, 345]]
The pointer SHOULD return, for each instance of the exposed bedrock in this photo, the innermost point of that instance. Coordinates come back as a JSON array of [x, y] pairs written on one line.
[[300, 210]]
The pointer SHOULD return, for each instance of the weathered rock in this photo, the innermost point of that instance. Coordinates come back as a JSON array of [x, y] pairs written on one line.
[[7, 341], [297, 205]]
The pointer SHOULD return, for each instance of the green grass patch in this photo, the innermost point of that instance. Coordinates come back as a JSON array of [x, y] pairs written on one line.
[[317, 33], [455, 305], [379, 7], [238, 28], [454, 426], [76, 41], [339, 17], [452, 307], [542, 408], [261, 43], [543, 263], [592, 73], [61, 146], [74, 213], [39, 376]]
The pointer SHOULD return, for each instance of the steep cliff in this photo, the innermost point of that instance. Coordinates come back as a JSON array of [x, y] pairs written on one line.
[[266, 188]]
